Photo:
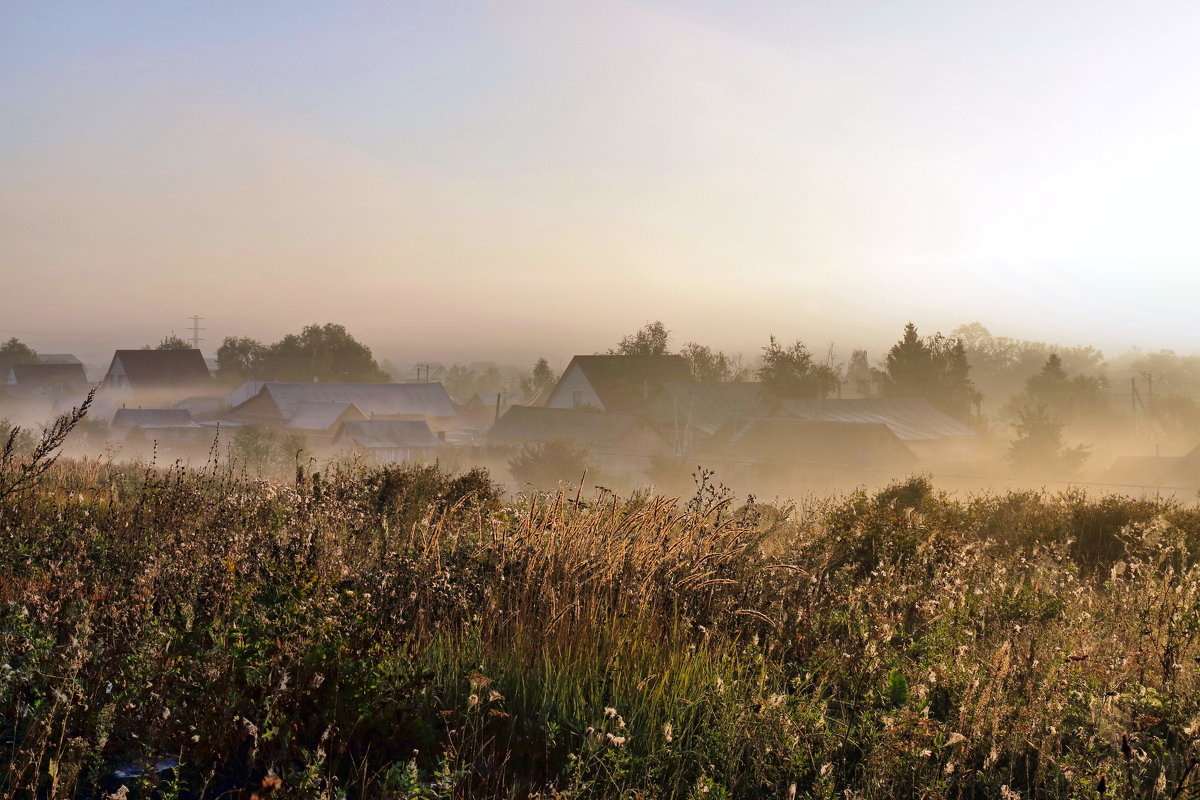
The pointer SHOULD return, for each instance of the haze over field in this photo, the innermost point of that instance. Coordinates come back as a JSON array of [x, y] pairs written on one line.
[[473, 180]]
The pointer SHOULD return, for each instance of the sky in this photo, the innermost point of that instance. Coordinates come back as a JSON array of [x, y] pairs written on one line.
[[504, 180]]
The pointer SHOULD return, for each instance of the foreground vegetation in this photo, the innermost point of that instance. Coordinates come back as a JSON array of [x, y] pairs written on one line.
[[403, 633]]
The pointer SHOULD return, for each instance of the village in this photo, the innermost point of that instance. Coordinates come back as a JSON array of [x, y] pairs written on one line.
[[625, 420]]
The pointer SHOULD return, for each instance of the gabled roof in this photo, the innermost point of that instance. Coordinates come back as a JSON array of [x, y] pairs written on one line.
[[625, 382], [244, 392], [541, 425], [47, 374], [1158, 471], [386, 434], [320, 416], [153, 418], [372, 399], [911, 418], [706, 406], [852, 444], [162, 368]]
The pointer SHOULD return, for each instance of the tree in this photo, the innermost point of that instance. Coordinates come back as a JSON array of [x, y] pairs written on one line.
[[862, 377], [792, 372], [544, 465], [539, 378], [171, 342], [935, 368], [460, 382], [14, 351], [653, 339], [241, 359], [1039, 447], [707, 364], [324, 353], [1068, 399]]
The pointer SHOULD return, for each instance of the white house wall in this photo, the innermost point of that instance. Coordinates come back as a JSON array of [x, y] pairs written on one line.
[[574, 391]]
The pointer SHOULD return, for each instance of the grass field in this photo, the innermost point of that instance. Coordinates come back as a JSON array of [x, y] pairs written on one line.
[[408, 634]]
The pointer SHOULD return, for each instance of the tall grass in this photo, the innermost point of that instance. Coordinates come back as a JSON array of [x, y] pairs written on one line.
[[406, 633]]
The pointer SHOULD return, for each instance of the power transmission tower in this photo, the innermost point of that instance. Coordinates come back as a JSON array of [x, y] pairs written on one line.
[[196, 340]]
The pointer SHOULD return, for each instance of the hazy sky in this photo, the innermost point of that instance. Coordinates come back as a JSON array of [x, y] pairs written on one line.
[[521, 178]]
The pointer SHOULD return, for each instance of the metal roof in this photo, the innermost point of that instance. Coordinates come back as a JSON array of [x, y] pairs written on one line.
[[244, 392], [319, 416], [910, 418], [707, 405], [377, 434], [372, 399], [855, 444], [153, 418]]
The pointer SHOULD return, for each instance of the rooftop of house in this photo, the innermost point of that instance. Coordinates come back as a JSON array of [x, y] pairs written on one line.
[[910, 418], [47, 374], [386, 434], [540, 425], [153, 418], [853, 444], [706, 406], [372, 399], [162, 368], [625, 382]]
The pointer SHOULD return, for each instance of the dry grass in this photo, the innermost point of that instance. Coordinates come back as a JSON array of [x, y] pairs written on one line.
[[403, 633]]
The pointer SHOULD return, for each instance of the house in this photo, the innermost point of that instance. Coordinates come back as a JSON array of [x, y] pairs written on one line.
[[615, 384], [1159, 472], [275, 404], [57, 358], [810, 452], [152, 418], [689, 413], [388, 440], [929, 433], [48, 375], [155, 378], [169, 429], [621, 444]]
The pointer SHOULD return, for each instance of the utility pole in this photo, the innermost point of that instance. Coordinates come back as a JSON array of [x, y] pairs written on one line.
[[196, 340]]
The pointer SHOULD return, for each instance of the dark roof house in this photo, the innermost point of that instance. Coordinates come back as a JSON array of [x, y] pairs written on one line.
[[50, 374], [153, 370], [147, 418], [1161, 472], [857, 445], [615, 384], [604, 432], [277, 403]]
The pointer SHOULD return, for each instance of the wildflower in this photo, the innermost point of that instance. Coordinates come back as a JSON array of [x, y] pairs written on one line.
[[617, 741], [473, 701], [610, 712], [668, 733]]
